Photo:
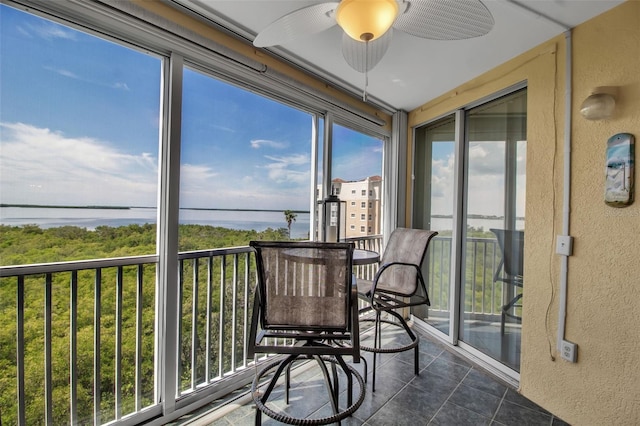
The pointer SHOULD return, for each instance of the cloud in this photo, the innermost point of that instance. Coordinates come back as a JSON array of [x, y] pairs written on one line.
[[122, 86], [195, 179], [43, 166], [296, 159], [74, 76], [357, 165], [293, 169], [47, 31], [40, 166], [259, 143], [63, 72], [485, 180], [223, 128]]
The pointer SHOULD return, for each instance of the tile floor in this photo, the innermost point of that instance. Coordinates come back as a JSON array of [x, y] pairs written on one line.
[[448, 391]]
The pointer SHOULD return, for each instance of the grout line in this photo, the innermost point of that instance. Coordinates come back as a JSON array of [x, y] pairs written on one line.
[[504, 395], [449, 397]]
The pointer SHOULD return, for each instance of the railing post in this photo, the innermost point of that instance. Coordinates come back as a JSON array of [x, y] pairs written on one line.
[[48, 370], [118, 353], [20, 351], [97, 378], [73, 348]]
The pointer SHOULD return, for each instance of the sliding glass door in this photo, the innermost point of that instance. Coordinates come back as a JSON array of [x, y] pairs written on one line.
[[470, 187], [493, 209], [433, 209]]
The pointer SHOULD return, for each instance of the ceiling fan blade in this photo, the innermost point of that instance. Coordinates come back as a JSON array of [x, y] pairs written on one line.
[[445, 19], [306, 21], [362, 56]]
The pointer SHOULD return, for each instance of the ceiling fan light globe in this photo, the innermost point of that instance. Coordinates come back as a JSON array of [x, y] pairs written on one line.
[[366, 20]]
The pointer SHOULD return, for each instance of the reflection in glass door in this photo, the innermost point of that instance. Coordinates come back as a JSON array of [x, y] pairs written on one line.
[[433, 209], [492, 277]]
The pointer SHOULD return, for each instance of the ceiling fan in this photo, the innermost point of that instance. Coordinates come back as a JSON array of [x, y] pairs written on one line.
[[368, 25]]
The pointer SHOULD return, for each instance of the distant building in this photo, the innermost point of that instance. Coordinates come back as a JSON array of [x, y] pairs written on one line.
[[362, 200]]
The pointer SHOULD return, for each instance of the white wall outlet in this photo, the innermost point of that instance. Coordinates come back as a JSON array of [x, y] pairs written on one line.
[[569, 351], [564, 245]]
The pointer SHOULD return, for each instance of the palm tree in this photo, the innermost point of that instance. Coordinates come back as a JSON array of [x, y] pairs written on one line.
[[290, 217]]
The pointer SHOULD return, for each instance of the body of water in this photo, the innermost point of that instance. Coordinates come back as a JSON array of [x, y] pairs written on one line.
[[444, 223], [236, 219], [92, 218]]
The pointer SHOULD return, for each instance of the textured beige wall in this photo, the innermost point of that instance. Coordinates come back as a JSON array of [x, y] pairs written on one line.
[[603, 308]]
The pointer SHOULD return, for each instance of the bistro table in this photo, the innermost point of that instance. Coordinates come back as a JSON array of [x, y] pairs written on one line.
[[307, 255], [365, 257]]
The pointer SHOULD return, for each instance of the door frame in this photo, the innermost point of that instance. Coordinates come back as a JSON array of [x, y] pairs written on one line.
[[460, 189]]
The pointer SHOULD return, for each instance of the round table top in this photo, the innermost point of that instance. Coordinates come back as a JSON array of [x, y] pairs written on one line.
[[307, 255], [365, 257]]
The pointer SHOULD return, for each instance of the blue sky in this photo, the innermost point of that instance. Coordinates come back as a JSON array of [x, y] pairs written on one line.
[[79, 125]]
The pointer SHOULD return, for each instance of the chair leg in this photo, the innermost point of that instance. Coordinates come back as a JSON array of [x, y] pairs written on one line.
[[377, 342], [333, 396], [287, 383], [505, 312], [258, 419], [286, 363], [364, 366], [336, 385], [413, 337], [345, 368]]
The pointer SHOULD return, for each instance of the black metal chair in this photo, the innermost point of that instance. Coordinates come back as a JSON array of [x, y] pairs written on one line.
[[397, 284], [305, 307], [510, 272]]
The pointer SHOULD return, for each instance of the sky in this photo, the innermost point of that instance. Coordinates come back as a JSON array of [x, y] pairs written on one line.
[[80, 120]]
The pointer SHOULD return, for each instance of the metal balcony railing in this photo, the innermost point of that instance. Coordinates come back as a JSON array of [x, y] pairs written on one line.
[[102, 362]]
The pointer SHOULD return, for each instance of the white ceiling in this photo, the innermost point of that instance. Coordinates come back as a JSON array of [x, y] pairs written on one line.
[[414, 70]]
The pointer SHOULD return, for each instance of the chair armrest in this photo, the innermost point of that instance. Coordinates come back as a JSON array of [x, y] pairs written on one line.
[[355, 320]]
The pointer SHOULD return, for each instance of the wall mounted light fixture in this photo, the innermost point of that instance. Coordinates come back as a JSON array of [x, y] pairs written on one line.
[[600, 104]]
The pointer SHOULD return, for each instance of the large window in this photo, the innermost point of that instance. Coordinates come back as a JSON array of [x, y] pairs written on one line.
[[356, 169], [245, 161], [79, 122], [79, 138]]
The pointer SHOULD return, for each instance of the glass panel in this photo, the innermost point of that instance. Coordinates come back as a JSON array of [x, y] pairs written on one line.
[[356, 168], [79, 141], [433, 209], [495, 180], [245, 161], [79, 132]]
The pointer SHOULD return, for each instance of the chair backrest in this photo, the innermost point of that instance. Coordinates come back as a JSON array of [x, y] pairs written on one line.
[[511, 244], [304, 286], [409, 246]]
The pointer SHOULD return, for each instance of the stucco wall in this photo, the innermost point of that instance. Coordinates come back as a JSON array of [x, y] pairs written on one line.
[[603, 301]]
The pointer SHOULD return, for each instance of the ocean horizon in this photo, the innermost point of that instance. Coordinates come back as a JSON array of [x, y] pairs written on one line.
[[91, 217]]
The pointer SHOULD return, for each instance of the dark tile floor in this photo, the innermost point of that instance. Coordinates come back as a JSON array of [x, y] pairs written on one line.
[[448, 391]]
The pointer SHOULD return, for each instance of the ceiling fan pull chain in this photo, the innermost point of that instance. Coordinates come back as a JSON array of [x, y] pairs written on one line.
[[366, 70], [366, 83]]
